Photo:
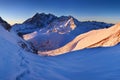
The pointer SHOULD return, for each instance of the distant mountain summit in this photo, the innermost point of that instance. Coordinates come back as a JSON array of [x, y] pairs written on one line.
[[43, 20], [40, 20], [4, 24]]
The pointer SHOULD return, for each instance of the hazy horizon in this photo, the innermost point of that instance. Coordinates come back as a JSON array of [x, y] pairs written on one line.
[[17, 11]]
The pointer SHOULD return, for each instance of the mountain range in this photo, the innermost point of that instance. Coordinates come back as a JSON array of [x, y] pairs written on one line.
[[92, 49], [47, 32]]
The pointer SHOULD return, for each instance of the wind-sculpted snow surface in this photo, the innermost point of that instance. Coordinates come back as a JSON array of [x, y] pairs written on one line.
[[88, 64], [96, 38]]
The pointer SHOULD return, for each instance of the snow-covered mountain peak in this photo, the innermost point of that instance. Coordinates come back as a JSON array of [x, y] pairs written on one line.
[[71, 23], [46, 22], [62, 25]]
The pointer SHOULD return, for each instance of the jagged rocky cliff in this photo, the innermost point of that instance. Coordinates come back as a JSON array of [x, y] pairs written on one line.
[[5, 24]]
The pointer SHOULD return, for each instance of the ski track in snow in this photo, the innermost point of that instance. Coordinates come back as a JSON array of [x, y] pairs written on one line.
[[23, 64]]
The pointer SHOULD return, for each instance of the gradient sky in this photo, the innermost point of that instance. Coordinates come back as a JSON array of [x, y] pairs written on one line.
[[16, 11]]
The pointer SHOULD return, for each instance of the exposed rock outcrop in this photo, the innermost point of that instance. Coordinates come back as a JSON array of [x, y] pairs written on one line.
[[5, 24]]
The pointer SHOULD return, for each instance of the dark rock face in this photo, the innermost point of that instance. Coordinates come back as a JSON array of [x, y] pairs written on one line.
[[5, 24], [27, 46], [40, 20], [34, 23]]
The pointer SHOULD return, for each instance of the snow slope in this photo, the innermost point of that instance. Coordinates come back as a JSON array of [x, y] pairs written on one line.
[[94, 38], [88, 64]]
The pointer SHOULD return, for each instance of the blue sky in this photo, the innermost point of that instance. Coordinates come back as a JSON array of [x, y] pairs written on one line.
[[101, 10]]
